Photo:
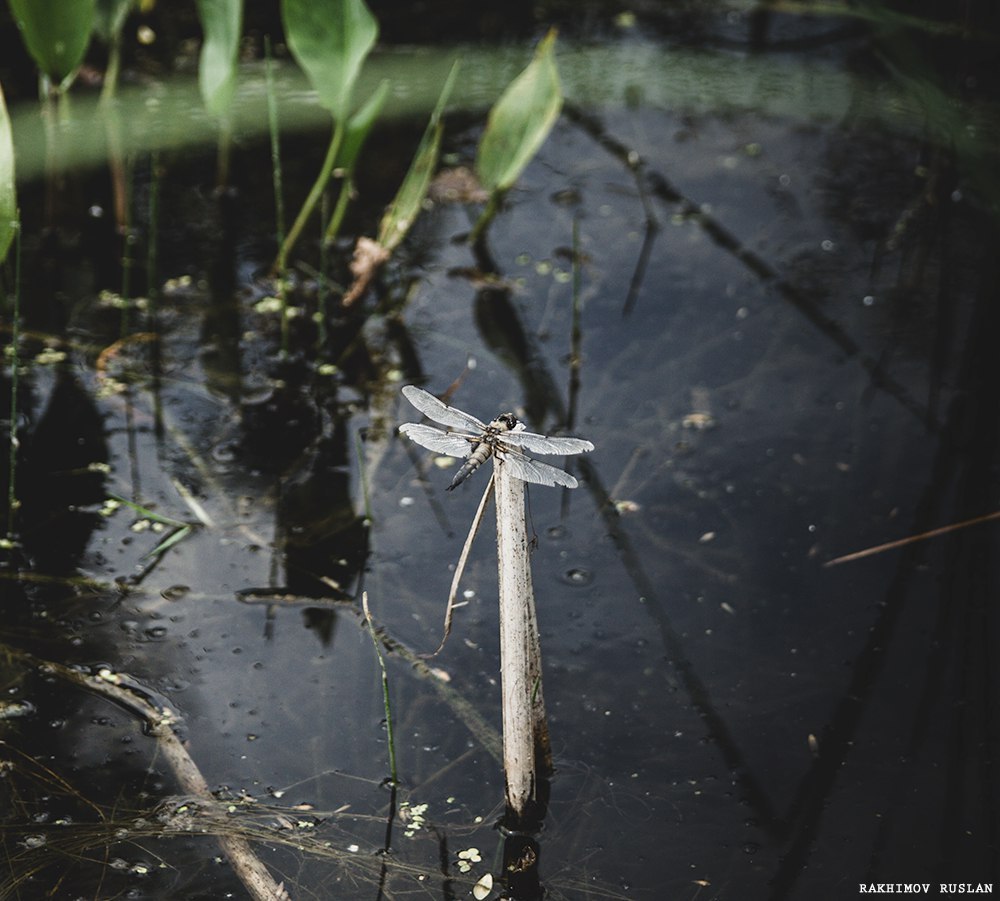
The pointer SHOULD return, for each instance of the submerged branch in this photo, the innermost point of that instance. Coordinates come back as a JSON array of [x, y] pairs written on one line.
[[247, 866]]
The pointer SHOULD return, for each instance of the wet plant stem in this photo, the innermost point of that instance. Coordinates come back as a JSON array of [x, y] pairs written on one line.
[[385, 690], [15, 341], [360, 453], [486, 217], [224, 152], [128, 175], [272, 124], [153, 235], [322, 286], [152, 288], [333, 229], [576, 335], [281, 262]]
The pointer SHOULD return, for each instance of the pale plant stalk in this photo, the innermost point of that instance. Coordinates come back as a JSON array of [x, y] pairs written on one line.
[[525, 730]]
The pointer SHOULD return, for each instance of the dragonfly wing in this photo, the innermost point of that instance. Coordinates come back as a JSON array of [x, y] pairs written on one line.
[[528, 470], [432, 408], [436, 440], [541, 444]]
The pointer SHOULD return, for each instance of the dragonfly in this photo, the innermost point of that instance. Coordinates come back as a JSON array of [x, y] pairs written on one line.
[[475, 441]]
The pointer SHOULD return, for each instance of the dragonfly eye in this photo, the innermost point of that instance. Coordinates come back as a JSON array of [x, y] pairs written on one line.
[[509, 420]]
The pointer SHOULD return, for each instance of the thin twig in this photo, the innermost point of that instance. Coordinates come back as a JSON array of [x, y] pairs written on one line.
[[902, 542], [460, 568]]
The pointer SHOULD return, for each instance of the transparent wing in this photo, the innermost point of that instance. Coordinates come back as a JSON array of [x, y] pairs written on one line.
[[541, 444], [432, 408], [528, 470], [436, 440]]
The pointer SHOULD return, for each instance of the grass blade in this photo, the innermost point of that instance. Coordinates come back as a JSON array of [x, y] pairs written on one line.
[[410, 197]]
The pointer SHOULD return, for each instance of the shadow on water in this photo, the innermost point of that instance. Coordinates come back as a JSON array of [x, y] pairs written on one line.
[[777, 325]]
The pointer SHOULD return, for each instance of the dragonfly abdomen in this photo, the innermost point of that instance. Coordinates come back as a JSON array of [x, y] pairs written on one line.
[[476, 459]]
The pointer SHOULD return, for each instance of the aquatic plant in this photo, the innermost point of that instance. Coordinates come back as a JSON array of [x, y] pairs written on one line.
[[330, 40], [400, 215], [518, 125], [57, 35], [222, 21], [8, 191]]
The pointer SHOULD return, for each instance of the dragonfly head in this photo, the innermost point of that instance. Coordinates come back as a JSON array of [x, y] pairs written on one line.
[[506, 422]]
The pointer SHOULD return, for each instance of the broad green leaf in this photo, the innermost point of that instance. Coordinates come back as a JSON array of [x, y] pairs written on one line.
[[330, 40], [8, 195], [520, 120], [410, 197], [222, 22], [56, 33]]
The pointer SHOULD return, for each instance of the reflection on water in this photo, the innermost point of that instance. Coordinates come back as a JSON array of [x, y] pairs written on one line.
[[778, 331]]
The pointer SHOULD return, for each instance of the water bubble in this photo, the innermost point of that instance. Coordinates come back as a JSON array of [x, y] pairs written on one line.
[[578, 576]]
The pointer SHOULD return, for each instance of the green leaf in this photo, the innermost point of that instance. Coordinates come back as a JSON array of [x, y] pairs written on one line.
[[410, 197], [520, 120], [8, 195], [222, 22], [330, 40], [56, 33]]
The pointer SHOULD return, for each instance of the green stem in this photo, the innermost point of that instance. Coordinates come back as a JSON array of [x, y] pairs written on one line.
[[223, 152], [322, 285], [112, 70], [393, 773], [338, 212], [281, 261], [486, 217], [272, 124]]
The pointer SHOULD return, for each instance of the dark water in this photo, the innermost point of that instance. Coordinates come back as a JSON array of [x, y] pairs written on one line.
[[787, 326]]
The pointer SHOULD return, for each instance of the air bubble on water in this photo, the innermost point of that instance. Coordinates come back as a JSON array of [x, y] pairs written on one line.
[[579, 576]]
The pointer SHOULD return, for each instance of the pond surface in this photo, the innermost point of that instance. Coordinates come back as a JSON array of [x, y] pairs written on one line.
[[776, 319]]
